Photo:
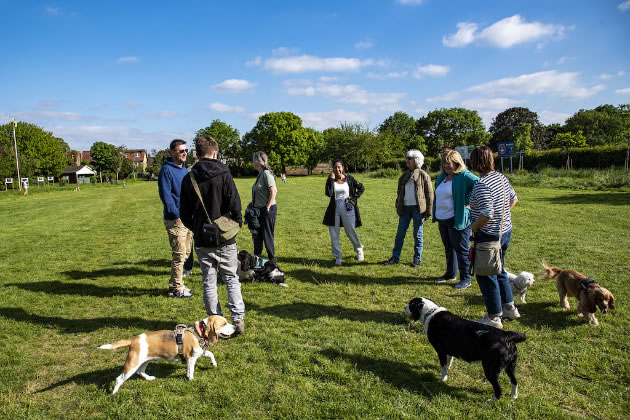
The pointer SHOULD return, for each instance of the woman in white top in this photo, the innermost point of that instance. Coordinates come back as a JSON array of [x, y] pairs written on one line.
[[453, 188], [343, 210]]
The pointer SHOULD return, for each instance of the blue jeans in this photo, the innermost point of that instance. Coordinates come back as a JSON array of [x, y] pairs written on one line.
[[409, 212], [496, 290], [456, 247]]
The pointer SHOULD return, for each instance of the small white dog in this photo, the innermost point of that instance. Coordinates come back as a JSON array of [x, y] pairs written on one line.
[[521, 283]]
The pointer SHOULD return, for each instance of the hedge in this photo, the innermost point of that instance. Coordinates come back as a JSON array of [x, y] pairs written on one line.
[[599, 157]]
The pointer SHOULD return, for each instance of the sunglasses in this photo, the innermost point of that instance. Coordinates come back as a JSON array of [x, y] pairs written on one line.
[[181, 152], [409, 158]]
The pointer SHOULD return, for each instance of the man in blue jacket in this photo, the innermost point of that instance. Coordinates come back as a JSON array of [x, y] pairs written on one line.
[[170, 185]]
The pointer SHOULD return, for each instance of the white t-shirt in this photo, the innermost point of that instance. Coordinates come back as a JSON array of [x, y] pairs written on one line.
[[410, 193], [444, 206], [341, 190]]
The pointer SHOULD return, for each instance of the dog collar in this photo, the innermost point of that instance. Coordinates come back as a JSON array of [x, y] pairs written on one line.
[[429, 314], [584, 284]]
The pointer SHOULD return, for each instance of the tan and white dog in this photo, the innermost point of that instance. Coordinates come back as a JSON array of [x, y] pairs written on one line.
[[157, 345]]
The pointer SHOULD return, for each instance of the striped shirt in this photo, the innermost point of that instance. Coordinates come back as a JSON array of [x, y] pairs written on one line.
[[487, 199]]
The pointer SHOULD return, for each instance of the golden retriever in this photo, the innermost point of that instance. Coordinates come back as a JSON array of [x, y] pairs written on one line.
[[587, 291]]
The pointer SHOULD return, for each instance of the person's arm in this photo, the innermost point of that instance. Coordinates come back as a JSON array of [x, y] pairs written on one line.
[[428, 196], [165, 186], [272, 197], [330, 188], [185, 210], [513, 202], [479, 223], [358, 189]]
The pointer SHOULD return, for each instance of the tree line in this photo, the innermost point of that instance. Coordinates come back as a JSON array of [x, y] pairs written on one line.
[[289, 144]]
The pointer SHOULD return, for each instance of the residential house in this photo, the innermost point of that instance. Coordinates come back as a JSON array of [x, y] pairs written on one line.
[[77, 174], [138, 157]]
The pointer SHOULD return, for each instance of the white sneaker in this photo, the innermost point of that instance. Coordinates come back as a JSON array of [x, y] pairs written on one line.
[[496, 323], [338, 261], [186, 273], [360, 256], [510, 313]]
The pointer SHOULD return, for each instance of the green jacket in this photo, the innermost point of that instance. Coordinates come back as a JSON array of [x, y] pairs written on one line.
[[463, 183]]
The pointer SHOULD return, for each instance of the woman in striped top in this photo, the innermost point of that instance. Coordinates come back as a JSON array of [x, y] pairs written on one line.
[[491, 200]]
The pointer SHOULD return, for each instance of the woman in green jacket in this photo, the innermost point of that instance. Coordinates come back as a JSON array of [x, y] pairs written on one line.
[[452, 212]]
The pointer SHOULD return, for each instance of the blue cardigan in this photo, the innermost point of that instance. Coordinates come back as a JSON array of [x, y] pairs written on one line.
[[463, 183]]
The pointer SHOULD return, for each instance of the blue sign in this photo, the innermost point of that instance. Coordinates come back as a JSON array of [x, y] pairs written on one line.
[[505, 149]]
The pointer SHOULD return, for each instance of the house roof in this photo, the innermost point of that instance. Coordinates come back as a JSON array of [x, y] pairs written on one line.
[[79, 170]]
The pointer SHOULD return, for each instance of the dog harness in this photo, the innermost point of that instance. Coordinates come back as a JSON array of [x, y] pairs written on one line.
[[179, 331], [584, 284]]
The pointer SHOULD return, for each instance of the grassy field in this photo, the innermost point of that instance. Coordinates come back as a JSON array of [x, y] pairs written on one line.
[[80, 269]]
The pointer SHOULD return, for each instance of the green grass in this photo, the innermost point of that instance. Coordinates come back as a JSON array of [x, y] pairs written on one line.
[[81, 269]]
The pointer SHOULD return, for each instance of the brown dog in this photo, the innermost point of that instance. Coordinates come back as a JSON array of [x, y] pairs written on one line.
[[587, 291], [164, 345]]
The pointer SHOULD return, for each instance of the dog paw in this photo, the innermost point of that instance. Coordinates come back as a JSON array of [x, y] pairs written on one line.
[[443, 378], [493, 399]]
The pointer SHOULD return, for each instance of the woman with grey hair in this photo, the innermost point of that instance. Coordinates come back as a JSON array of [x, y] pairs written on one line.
[[264, 198], [413, 201]]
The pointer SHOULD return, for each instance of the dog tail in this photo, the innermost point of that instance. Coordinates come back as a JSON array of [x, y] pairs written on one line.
[[117, 344], [516, 337], [550, 272]]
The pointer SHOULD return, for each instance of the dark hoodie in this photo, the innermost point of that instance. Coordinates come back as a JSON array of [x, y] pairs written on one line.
[[219, 193]]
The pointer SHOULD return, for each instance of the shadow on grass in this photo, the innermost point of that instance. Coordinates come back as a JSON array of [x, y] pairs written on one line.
[[104, 378], [73, 326], [304, 310], [400, 375], [61, 288], [606, 198], [161, 262], [338, 276], [114, 272]]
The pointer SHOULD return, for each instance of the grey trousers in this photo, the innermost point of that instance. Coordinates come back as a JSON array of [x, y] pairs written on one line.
[[223, 259], [347, 218]]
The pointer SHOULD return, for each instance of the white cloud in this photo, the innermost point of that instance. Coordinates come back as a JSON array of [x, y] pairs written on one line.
[[160, 114], [390, 75], [605, 76], [255, 62], [433, 70], [364, 44], [284, 51], [621, 73], [505, 33], [561, 84], [409, 2], [219, 107], [233, 86], [54, 11], [324, 90], [499, 104], [447, 97], [364, 97], [624, 6], [306, 63], [329, 79], [324, 120], [128, 59], [551, 117], [465, 35], [625, 91]]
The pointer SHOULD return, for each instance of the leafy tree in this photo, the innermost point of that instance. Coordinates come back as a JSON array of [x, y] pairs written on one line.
[[227, 137], [158, 160], [357, 145], [104, 155], [506, 126], [568, 140], [523, 139], [40, 153], [402, 128], [316, 149], [118, 159], [282, 137], [603, 125], [450, 128], [127, 167]]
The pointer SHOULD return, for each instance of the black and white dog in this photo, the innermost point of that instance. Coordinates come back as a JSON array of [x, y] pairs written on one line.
[[257, 269], [452, 336]]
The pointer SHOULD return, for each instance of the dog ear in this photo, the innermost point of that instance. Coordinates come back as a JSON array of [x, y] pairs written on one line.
[[611, 301], [589, 300]]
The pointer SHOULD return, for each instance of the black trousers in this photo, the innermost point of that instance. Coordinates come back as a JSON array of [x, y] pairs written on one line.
[[267, 220]]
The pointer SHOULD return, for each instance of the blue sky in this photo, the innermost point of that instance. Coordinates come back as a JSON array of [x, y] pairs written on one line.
[[141, 73]]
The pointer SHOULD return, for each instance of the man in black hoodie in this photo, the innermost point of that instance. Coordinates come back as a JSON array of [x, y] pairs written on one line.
[[220, 198]]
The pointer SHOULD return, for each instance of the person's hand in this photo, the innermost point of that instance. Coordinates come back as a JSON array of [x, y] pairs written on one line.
[[178, 220], [332, 174]]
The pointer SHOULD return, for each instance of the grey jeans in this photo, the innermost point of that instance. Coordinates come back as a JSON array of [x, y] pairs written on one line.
[[224, 259], [345, 216]]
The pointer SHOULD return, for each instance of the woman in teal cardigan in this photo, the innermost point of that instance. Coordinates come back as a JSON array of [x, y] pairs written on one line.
[[452, 212]]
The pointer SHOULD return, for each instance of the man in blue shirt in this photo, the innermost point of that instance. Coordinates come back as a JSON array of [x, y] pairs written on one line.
[[179, 237]]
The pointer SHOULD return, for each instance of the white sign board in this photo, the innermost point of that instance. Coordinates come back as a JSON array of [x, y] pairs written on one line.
[[465, 151], [40, 179], [51, 178], [8, 180], [24, 180]]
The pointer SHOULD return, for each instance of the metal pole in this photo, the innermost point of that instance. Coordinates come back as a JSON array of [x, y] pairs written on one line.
[[17, 162]]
